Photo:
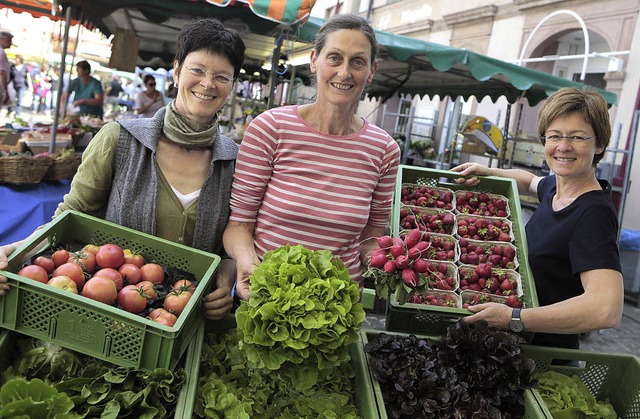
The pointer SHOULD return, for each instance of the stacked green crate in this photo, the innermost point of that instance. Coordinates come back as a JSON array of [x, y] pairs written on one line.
[[91, 327]]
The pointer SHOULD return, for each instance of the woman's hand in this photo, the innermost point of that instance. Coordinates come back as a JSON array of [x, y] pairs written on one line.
[[242, 281], [495, 314], [5, 251], [471, 169], [218, 303]]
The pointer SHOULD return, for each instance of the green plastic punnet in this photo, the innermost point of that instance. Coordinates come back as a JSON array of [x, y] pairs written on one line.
[[91, 327]]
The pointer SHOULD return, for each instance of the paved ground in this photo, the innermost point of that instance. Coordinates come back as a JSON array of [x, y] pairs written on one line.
[[623, 339]]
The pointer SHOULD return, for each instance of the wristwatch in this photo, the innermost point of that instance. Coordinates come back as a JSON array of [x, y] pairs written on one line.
[[516, 324]]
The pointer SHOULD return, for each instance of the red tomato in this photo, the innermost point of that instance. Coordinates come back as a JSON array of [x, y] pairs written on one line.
[[110, 256], [85, 259], [64, 283], [152, 272], [176, 301], [130, 273], [60, 257], [73, 271], [184, 285], [162, 316], [46, 263], [148, 289], [113, 275], [131, 299], [100, 289], [133, 258], [35, 272]]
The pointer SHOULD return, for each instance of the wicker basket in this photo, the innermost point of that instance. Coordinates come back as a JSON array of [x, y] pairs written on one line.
[[64, 168], [23, 169]]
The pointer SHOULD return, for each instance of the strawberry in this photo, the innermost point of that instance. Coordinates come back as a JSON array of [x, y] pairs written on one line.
[[509, 252], [506, 285], [483, 270], [448, 219], [504, 237], [513, 301], [442, 267]]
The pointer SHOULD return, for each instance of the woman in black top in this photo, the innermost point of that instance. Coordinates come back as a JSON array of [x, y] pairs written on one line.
[[572, 235]]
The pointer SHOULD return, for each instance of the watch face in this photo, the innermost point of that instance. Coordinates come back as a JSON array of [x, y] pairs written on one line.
[[516, 326]]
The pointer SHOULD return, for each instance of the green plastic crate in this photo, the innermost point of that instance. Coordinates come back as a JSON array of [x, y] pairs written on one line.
[[365, 399], [531, 404], [607, 376], [432, 320], [7, 349], [94, 328]]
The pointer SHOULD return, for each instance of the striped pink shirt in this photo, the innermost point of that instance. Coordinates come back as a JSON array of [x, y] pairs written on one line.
[[301, 186]]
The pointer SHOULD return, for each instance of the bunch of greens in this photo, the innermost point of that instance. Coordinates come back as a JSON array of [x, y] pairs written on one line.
[[566, 396], [474, 371], [230, 388], [303, 308], [97, 388], [33, 399]]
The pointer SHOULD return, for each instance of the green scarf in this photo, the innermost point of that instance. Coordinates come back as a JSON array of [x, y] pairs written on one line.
[[187, 133]]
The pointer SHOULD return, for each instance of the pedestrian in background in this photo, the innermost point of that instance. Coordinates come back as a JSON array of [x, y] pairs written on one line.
[[21, 80], [113, 92], [6, 39], [88, 94], [149, 100]]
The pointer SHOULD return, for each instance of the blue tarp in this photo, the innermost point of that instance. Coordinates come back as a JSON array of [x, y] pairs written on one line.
[[629, 239]]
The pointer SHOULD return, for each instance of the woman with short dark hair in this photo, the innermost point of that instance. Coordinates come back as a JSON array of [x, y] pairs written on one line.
[[170, 175]]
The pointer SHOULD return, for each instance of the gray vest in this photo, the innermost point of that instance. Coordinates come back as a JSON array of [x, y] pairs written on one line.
[[134, 191]]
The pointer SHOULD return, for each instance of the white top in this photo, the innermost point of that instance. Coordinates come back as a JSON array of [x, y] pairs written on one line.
[[186, 199]]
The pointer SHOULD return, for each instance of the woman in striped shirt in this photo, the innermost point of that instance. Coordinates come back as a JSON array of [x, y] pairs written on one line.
[[316, 174]]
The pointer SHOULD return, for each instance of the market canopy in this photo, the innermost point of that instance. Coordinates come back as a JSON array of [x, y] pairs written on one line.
[[415, 67], [407, 65]]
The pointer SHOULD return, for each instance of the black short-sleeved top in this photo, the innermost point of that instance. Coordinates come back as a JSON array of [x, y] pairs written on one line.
[[562, 244]]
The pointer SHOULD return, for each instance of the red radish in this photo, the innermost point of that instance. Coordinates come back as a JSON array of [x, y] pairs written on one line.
[[384, 242], [420, 266], [389, 267], [378, 260], [410, 277], [397, 250], [413, 238], [402, 262]]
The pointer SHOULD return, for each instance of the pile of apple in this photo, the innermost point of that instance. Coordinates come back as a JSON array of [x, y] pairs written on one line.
[[112, 275]]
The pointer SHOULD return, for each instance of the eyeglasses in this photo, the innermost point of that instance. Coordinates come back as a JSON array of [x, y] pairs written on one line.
[[151, 84], [218, 78], [573, 139]]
